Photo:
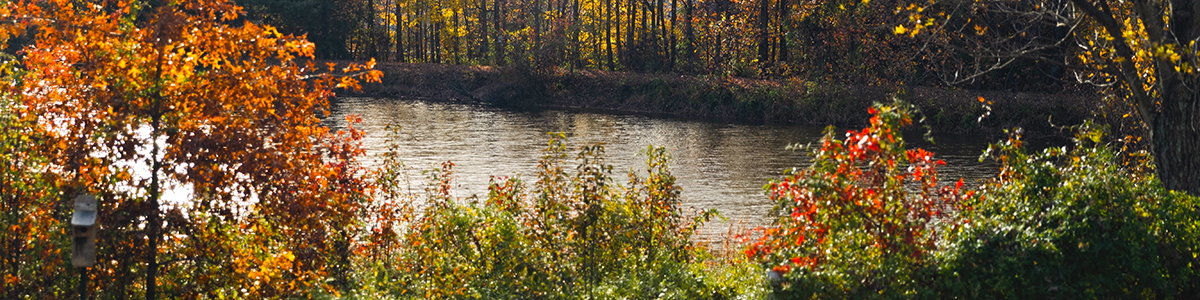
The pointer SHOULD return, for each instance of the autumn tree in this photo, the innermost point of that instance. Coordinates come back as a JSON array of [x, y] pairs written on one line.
[[137, 98], [1142, 52]]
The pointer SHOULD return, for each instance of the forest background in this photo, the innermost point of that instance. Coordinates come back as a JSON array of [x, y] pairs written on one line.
[[843, 41], [1124, 54]]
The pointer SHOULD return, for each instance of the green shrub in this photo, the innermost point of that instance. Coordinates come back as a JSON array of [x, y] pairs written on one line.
[[563, 237], [1073, 223]]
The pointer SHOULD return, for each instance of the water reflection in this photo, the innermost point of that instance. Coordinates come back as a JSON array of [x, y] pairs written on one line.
[[718, 165]]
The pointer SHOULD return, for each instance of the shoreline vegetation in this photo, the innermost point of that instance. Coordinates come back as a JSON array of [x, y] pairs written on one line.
[[794, 101]]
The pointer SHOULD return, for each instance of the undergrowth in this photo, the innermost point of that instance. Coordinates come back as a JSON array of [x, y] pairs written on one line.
[[868, 218]]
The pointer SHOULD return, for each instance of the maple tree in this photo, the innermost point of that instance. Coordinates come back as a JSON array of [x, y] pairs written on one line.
[[133, 98]]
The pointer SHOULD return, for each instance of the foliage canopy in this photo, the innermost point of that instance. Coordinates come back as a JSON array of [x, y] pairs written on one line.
[[128, 98]]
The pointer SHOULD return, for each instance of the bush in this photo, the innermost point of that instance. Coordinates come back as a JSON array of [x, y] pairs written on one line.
[[863, 219], [1074, 223], [868, 220], [567, 236]]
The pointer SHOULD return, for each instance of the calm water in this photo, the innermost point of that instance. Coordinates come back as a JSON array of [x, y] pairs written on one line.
[[719, 165]]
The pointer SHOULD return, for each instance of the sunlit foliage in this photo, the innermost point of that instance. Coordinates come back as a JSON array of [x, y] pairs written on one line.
[[566, 236], [864, 218], [127, 99], [1141, 53], [868, 220], [1073, 222], [848, 40]]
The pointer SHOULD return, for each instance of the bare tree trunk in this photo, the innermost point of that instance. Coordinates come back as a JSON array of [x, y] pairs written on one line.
[[689, 34], [468, 39], [660, 26], [620, 37], [455, 40], [644, 34], [630, 29], [785, 26], [484, 42], [764, 48], [400, 26], [501, 36], [671, 37], [420, 55], [575, 24], [608, 31]]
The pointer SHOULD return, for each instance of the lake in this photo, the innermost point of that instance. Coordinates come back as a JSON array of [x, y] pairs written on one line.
[[718, 164]]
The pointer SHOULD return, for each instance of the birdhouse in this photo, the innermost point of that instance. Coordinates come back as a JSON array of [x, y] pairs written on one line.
[[83, 228]]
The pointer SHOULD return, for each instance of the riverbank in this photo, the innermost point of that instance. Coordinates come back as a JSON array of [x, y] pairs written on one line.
[[795, 101]]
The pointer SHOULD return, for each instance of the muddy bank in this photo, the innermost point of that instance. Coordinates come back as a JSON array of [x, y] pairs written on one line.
[[780, 101]]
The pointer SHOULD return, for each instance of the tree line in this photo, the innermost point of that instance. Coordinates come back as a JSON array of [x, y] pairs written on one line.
[[844, 40]]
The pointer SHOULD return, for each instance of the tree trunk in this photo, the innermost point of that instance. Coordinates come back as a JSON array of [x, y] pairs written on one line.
[[619, 51], [1175, 137], [419, 54], [153, 224], [455, 40], [435, 42], [689, 34], [576, 28], [608, 31], [661, 27], [671, 37], [500, 35], [400, 26], [785, 26], [537, 26], [630, 29], [469, 38], [484, 45], [369, 43], [764, 49]]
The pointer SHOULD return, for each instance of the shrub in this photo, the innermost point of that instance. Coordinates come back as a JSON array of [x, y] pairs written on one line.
[[1073, 223], [565, 236], [868, 220], [863, 219]]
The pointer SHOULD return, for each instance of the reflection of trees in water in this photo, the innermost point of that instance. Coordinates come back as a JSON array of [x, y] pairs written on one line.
[[718, 165]]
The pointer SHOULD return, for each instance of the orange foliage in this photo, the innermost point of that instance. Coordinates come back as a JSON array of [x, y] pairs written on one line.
[[192, 97]]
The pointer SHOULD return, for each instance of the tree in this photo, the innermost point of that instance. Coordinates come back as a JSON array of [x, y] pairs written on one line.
[[785, 26], [196, 99], [1144, 52], [330, 24], [764, 47]]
